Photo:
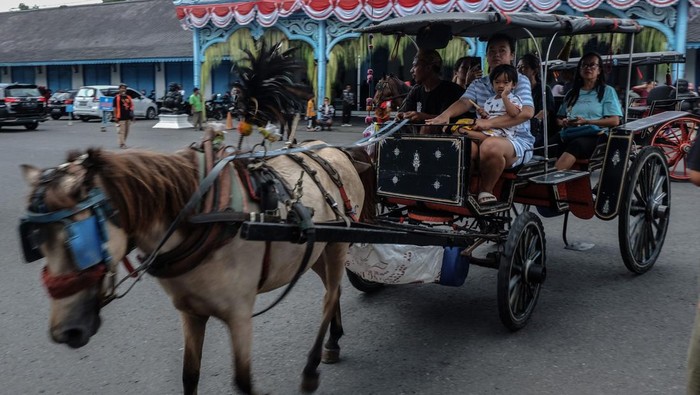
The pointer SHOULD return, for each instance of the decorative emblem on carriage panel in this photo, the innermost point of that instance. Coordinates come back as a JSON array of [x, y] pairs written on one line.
[[416, 161], [438, 154], [606, 206], [395, 180], [396, 151], [437, 185], [616, 158]]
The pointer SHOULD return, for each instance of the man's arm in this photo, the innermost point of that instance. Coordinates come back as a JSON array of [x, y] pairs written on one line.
[[459, 107]]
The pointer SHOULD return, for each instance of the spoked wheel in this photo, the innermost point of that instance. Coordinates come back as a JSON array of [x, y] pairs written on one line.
[[363, 285], [644, 211], [675, 138], [522, 271]]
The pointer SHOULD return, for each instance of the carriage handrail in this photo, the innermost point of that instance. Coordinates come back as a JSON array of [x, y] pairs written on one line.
[[619, 60]]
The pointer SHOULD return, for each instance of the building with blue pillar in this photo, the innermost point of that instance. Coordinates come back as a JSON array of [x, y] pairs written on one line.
[[150, 43]]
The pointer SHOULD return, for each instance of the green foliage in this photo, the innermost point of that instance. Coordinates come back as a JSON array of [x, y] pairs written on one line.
[[24, 7]]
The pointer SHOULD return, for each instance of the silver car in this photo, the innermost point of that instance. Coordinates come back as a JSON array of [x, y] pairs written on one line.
[[87, 102]]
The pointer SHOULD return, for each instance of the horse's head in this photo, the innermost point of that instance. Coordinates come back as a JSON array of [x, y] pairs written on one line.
[[390, 88], [69, 221]]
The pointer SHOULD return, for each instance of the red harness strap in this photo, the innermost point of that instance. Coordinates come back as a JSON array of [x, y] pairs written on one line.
[[64, 285]]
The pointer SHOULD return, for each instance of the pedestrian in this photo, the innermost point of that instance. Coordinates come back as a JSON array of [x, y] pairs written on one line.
[[693, 370], [196, 108], [123, 114], [348, 104], [311, 112], [326, 112]]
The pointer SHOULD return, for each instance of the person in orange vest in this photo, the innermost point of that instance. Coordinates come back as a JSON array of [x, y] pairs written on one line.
[[123, 114]]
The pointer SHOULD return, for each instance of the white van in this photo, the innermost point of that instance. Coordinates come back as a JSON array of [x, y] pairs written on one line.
[[87, 102]]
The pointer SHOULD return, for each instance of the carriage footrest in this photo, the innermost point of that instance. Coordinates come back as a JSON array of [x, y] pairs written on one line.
[[558, 177]]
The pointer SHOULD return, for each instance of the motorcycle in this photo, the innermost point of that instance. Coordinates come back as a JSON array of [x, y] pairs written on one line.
[[217, 107]]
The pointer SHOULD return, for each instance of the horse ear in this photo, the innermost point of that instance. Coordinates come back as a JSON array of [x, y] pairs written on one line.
[[31, 174]]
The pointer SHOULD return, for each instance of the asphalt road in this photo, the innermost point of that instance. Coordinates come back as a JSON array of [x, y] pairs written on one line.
[[597, 329]]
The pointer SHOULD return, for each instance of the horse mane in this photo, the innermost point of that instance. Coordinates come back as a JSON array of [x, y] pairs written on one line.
[[145, 187], [369, 183]]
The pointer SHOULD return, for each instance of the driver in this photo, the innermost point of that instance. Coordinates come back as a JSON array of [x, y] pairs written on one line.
[[431, 95], [496, 153]]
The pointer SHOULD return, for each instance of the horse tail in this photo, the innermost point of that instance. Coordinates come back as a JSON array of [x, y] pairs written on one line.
[[366, 171]]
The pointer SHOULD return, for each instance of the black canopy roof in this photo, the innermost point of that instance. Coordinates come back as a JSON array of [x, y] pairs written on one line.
[[485, 24]]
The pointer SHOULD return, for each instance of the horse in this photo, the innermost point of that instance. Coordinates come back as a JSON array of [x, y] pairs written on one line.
[[390, 88], [130, 198]]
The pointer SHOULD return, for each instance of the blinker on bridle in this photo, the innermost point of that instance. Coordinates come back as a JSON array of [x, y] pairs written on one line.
[[86, 239]]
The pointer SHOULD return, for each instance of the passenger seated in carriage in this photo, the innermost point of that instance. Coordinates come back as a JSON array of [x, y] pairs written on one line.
[[431, 95], [495, 153], [589, 109], [504, 103]]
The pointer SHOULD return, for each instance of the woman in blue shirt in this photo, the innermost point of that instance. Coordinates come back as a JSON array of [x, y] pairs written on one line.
[[591, 105]]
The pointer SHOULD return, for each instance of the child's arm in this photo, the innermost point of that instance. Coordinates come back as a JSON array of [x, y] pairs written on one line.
[[511, 108]]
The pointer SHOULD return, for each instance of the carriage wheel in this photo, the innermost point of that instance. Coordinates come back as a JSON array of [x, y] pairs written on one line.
[[363, 285], [675, 138], [645, 210], [522, 271]]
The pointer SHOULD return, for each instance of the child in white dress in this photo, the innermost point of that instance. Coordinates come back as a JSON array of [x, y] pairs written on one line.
[[505, 102]]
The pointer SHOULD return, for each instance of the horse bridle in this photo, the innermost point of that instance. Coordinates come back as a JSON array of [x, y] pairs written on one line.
[[86, 239]]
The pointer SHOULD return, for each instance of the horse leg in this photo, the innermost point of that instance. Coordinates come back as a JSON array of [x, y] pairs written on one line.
[[194, 327], [331, 350], [241, 330], [330, 267]]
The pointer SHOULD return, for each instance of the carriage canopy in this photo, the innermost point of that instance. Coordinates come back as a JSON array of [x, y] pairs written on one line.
[[485, 24]]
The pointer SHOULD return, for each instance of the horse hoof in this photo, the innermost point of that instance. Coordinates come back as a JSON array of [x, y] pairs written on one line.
[[309, 383], [330, 355]]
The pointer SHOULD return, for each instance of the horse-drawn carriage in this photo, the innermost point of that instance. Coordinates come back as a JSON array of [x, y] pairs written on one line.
[[308, 201]]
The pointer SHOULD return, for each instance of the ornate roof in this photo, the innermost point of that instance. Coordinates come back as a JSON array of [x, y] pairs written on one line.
[[196, 13]]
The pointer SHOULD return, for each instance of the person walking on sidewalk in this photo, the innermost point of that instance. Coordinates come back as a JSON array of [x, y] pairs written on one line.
[[348, 104], [123, 114], [197, 107]]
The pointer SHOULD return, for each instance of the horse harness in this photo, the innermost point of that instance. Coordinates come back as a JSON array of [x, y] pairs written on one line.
[[227, 204]]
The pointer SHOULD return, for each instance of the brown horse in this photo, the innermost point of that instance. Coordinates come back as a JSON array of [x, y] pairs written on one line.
[[131, 197], [390, 88]]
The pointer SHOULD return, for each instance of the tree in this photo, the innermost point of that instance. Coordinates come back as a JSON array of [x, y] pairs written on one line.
[[24, 7]]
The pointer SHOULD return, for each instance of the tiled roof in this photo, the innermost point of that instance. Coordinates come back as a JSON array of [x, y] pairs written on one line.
[[120, 30]]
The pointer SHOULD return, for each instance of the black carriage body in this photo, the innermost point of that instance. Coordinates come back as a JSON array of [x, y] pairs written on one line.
[[424, 168]]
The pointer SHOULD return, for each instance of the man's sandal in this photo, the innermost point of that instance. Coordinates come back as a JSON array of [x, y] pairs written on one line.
[[486, 199]]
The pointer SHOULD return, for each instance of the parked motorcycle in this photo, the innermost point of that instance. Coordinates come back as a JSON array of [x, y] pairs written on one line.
[[217, 107]]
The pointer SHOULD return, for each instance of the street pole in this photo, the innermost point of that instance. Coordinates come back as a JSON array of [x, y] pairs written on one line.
[[359, 101]]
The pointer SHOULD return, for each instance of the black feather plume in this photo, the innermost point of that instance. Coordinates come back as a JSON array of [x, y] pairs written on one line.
[[267, 89]]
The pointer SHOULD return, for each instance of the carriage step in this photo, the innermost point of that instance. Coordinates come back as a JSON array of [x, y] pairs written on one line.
[[558, 177]]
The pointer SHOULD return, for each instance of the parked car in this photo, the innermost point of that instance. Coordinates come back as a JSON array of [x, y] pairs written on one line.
[[58, 102], [87, 102], [21, 105]]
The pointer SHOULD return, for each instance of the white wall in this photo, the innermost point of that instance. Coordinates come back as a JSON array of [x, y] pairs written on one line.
[[116, 74], [5, 74], [40, 79], [77, 78], [160, 80]]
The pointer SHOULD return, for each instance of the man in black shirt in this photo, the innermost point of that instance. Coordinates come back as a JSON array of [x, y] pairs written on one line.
[[431, 95]]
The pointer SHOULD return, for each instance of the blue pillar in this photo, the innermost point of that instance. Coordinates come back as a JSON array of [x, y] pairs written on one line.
[[197, 58], [681, 34], [321, 59]]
